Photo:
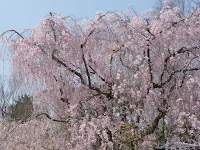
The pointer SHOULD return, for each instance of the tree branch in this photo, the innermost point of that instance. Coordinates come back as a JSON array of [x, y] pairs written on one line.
[[56, 120], [154, 125], [68, 68]]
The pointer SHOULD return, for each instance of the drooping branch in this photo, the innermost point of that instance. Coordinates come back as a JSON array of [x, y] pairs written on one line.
[[79, 75], [20, 35], [49, 117], [97, 74], [68, 68], [85, 64], [172, 74], [184, 70]]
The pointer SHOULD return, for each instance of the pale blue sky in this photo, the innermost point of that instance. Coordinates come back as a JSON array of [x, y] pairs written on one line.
[[24, 14], [20, 14]]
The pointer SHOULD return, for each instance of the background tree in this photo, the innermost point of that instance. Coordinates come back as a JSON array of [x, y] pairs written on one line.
[[9, 90], [22, 109]]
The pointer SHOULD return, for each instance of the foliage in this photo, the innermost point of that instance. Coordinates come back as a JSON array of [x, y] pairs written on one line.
[[22, 109], [120, 81]]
